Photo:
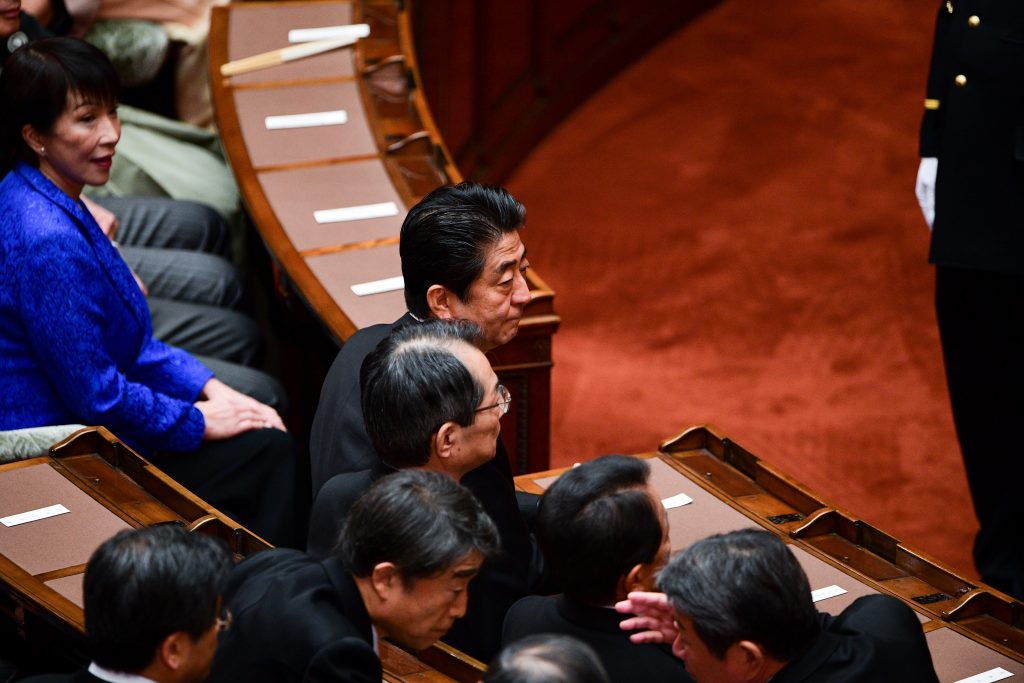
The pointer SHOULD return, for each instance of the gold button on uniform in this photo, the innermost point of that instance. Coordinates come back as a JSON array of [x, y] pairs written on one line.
[[973, 21], [960, 80]]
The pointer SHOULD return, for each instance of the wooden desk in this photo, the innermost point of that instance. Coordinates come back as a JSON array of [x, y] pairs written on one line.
[[388, 152], [108, 487], [970, 628]]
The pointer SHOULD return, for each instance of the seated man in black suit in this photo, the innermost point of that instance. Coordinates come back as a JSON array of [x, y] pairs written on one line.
[[431, 402], [737, 607], [461, 259], [409, 549], [152, 607], [546, 658], [604, 533]]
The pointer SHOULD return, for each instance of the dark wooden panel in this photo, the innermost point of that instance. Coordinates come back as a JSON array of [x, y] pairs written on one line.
[[500, 75]]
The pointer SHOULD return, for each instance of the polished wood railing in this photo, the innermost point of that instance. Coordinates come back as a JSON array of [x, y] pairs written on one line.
[[388, 152]]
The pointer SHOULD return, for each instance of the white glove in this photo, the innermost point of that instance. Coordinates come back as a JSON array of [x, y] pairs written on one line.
[[925, 188]]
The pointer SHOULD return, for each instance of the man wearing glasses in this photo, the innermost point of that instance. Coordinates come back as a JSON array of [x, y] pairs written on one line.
[[432, 402], [462, 258], [152, 607]]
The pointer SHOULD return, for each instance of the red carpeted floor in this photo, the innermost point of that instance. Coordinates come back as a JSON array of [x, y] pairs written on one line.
[[731, 230]]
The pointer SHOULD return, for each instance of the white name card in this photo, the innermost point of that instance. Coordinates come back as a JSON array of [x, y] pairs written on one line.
[[34, 515], [996, 674], [676, 501], [389, 284], [310, 120], [356, 213], [826, 593], [307, 35]]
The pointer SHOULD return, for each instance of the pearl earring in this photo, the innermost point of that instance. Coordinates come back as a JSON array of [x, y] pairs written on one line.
[[42, 151]]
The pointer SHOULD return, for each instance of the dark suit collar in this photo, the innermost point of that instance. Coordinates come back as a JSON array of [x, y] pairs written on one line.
[[351, 600], [406, 319], [819, 653], [592, 618]]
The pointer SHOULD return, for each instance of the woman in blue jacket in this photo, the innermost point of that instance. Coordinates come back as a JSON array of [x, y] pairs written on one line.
[[76, 341]]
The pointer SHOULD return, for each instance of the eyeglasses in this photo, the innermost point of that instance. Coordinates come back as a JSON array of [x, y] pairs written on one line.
[[504, 398], [224, 621]]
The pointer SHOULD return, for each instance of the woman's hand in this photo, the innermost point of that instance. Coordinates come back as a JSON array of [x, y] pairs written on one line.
[[104, 218], [229, 413]]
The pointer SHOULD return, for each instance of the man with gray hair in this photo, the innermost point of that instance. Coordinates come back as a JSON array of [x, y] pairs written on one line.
[[737, 608], [432, 402]]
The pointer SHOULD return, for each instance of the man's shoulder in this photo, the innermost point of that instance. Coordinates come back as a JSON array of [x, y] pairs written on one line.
[[82, 676], [533, 614]]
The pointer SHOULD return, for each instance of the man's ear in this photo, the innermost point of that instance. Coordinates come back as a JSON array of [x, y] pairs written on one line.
[[638, 579], [445, 439], [439, 301], [385, 579], [173, 650], [746, 658]]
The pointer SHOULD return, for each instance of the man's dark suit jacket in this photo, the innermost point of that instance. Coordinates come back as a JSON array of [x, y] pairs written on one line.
[[82, 676], [598, 627], [498, 585], [874, 640], [296, 618], [339, 444], [338, 441]]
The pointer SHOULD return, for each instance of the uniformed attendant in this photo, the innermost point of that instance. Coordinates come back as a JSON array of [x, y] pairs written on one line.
[[971, 183]]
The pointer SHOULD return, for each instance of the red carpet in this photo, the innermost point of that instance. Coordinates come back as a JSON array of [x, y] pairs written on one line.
[[732, 234]]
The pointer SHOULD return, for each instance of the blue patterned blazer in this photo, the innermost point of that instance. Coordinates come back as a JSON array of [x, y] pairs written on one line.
[[76, 340]]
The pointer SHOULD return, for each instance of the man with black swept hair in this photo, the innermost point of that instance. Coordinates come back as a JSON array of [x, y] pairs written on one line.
[[152, 607], [604, 533], [462, 259]]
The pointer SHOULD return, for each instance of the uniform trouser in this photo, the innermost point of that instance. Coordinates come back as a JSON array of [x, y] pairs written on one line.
[[983, 348]]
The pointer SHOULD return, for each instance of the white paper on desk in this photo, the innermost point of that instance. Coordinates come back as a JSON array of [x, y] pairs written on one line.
[[356, 213], [826, 593], [34, 515], [308, 35], [389, 284], [310, 120], [996, 674], [676, 501]]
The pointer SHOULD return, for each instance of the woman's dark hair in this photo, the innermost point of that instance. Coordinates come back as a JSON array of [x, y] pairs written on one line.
[[35, 85]]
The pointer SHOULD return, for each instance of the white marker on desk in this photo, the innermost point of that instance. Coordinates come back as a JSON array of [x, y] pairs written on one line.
[[378, 286], [676, 501], [34, 515], [356, 213], [826, 593], [310, 120], [996, 674], [308, 35]]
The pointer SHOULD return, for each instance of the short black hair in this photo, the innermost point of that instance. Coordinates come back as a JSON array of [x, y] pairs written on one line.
[[446, 236], [423, 522], [412, 384], [145, 584], [743, 585], [36, 84], [547, 658], [600, 516]]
